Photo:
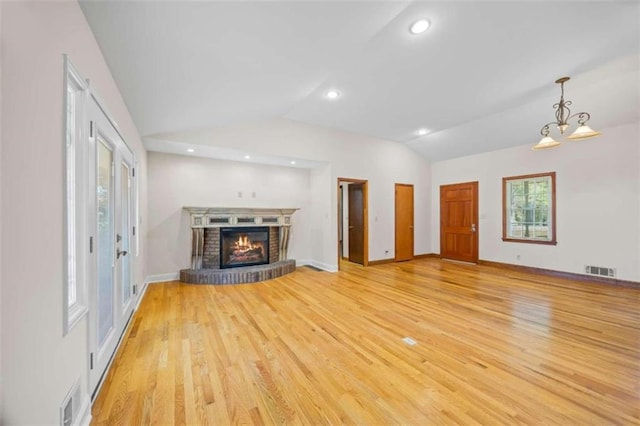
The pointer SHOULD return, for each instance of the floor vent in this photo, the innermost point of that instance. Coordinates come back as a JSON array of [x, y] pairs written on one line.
[[409, 341], [314, 268], [600, 271], [70, 406]]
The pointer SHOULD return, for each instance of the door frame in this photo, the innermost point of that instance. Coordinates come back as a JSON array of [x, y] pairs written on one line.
[[475, 218], [365, 212], [395, 224], [122, 312], [128, 159]]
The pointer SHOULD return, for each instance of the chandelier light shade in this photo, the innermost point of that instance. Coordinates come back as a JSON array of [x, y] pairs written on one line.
[[546, 142], [563, 115]]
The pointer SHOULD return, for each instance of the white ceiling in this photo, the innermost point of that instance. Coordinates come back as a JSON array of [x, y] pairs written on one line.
[[481, 78]]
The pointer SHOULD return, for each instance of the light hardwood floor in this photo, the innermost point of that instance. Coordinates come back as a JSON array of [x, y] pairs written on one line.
[[493, 347]]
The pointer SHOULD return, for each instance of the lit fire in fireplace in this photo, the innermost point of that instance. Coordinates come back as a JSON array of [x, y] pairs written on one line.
[[244, 246], [244, 250]]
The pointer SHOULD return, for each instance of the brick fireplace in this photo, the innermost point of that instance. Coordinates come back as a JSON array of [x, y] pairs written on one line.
[[241, 260], [211, 257]]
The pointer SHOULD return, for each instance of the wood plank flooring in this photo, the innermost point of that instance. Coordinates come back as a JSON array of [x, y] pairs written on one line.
[[493, 347]]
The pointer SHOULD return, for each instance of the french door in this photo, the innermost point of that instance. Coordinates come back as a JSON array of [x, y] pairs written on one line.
[[111, 234]]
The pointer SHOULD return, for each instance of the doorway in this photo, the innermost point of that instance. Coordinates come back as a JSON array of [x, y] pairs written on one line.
[[459, 222], [404, 222], [110, 221], [353, 228]]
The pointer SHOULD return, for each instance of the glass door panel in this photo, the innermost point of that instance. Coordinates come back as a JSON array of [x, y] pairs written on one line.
[[111, 263], [104, 204], [125, 228]]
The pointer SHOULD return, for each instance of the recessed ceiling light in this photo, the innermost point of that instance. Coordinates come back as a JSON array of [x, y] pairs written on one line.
[[333, 94], [247, 157], [191, 150], [422, 132], [420, 26], [293, 162]]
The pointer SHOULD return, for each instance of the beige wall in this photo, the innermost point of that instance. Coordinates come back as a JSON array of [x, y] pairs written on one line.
[[597, 198], [38, 364], [382, 163], [177, 181]]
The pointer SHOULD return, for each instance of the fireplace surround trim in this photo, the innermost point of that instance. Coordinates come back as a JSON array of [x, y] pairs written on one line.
[[201, 218], [218, 217]]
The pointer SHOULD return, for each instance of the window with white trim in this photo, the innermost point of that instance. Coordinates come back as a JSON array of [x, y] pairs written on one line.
[[528, 208], [75, 304]]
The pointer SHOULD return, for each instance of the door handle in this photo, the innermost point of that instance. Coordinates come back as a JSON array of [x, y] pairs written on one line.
[[473, 228], [351, 226], [121, 253]]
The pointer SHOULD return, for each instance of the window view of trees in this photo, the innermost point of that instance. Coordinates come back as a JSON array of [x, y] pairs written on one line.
[[528, 208]]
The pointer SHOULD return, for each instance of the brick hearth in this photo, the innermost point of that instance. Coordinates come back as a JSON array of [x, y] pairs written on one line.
[[205, 244], [246, 274]]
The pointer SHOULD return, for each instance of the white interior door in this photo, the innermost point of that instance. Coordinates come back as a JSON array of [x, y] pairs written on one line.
[[111, 218]]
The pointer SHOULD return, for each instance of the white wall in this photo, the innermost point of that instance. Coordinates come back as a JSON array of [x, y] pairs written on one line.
[[176, 181], [347, 155], [597, 198], [39, 365]]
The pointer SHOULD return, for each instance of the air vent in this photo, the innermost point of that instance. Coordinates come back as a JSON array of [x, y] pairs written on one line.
[[600, 271], [67, 413], [270, 220], [246, 220], [409, 341], [70, 406]]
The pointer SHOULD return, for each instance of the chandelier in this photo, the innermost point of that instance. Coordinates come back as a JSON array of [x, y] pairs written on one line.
[[563, 115]]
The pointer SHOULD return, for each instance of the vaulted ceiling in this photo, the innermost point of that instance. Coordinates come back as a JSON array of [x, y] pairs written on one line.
[[480, 78]]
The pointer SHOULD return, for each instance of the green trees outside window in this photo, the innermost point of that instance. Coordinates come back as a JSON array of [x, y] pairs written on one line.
[[528, 208]]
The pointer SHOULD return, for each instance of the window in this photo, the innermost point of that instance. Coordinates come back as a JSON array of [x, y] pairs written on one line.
[[74, 100], [529, 208]]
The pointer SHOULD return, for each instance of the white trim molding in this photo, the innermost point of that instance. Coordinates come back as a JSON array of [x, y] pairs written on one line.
[[74, 154], [84, 413], [143, 291], [216, 217], [323, 266], [160, 278]]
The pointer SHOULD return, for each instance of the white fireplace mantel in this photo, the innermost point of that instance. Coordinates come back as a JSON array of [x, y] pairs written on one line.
[[218, 217]]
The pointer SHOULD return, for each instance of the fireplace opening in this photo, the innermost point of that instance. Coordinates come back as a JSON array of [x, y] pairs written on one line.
[[244, 246]]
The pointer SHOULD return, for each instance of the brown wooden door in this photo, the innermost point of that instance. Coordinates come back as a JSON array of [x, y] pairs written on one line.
[[356, 223], [404, 222], [459, 221]]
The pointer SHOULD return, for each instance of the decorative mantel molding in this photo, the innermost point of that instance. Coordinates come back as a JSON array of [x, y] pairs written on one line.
[[278, 219], [217, 217]]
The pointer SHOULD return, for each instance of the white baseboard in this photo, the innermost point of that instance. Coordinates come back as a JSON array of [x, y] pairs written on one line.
[[173, 276], [141, 295], [84, 414], [323, 266]]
